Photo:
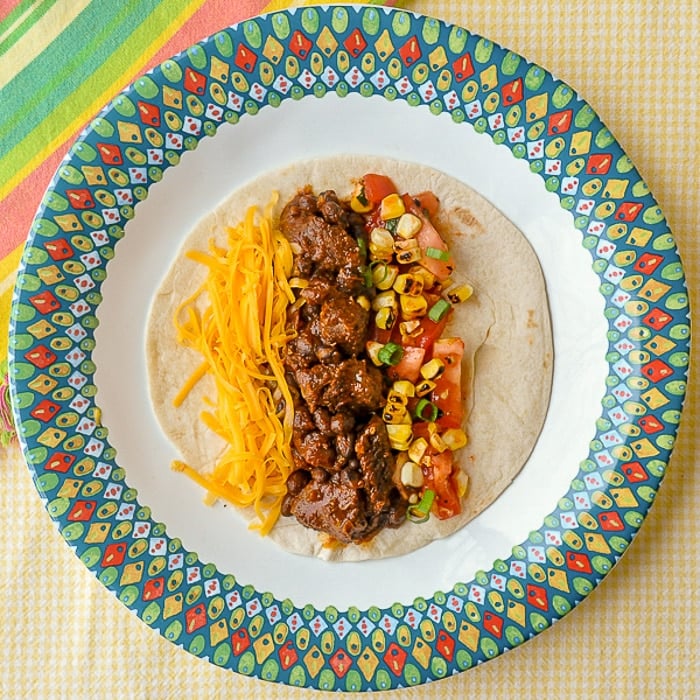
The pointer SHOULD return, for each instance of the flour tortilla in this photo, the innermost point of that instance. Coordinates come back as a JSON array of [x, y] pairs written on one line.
[[507, 369]]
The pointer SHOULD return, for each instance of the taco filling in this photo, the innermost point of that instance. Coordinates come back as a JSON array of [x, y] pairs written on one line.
[[365, 327], [347, 396]]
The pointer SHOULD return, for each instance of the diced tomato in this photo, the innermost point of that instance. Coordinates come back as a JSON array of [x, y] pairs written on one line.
[[430, 332], [379, 335], [377, 187], [439, 477], [409, 366], [447, 395], [428, 237], [428, 202]]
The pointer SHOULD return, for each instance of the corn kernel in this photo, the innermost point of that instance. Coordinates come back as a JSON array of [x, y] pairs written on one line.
[[381, 244], [385, 299], [408, 226], [413, 307], [432, 369], [364, 302], [407, 251], [384, 275], [435, 439], [408, 284], [454, 438], [429, 278], [395, 415], [410, 329], [411, 475], [391, 207], [358, 200], [417, 449], [404, 387], [373, 349], [462, 483], [424, 387], [461, 292], [399, 436], [396, 397], [385, 318]]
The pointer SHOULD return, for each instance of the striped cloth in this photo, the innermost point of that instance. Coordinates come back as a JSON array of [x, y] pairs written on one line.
[[64, 634]]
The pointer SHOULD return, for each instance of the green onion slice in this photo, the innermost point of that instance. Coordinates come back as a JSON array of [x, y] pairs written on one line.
[[426, 410], [420, 512], [437, 254], [390, 354], [439, 310], [375, 265]]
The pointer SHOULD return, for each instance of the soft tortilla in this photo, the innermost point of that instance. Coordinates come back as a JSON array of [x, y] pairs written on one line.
[[507, 370]]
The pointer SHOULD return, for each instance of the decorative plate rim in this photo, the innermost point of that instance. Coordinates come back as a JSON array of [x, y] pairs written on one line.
[[431, 64]]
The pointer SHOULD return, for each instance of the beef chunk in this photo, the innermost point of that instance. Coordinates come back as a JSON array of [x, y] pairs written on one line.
[[357, 385], [343, 322], [332, 506]]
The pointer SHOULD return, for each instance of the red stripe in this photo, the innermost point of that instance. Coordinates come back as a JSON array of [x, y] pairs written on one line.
[[18, 209], [8, 6]]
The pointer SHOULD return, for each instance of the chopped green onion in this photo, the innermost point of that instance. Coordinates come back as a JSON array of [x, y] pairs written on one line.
[[362, 245], [362, 197], [426, 410], [420, 512], [367, 275], [390, 354], [391, 224], [439, 310], [437, 254]]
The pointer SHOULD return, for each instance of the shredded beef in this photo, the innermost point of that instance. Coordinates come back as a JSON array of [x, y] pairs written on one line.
[[342, 484]]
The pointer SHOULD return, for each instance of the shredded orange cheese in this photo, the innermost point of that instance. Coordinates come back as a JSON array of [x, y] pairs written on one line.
[[236, 321]]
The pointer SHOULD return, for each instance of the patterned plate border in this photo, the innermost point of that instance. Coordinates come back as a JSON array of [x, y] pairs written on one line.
[[431, 65]]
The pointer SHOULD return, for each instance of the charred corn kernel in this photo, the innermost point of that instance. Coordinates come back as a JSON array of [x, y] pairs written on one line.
[[391, 207], [385, 299], [424, 387], [373, 349], [298, 283], [408, 284], [428, 277], [461, 292], [385, 318], [358, 200], [384, 275], [407, 251], [408, 225], [410, 329], [417, 449], [454, 438], [413, 307], [432, 369], [404, 387], [395, 415], [399, 436], [364, 302], [435, 439], [396, 397], [411, 475], [462, 483], [381, 244]]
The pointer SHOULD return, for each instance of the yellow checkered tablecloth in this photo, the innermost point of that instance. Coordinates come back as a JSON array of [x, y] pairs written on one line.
[[635, 62]]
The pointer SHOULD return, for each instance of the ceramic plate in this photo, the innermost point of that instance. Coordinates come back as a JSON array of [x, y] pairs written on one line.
[[262, 94]]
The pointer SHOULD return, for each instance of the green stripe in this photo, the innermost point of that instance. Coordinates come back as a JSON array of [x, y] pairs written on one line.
[[61, 94], [27, 23]]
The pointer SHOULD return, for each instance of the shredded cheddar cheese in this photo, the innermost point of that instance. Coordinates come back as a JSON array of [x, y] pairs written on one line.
[[236, 321]]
